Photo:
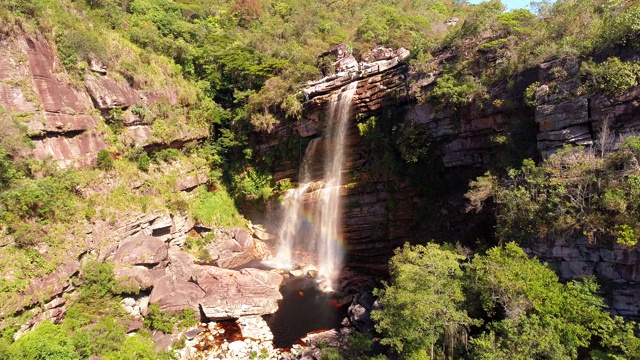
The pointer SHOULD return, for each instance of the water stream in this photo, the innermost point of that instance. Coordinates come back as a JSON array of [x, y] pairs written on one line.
[[312, 218]]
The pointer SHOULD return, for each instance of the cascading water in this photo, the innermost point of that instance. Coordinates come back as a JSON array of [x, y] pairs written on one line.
[[315, 225]]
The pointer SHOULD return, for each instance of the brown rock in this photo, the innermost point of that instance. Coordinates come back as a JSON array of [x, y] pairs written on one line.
[[232, 294], [56, 96], [181, 264], [174, 295], [108, 94], [230, 260], [52, 285], [141, 250], [243, 238], [135, 326], [79, 150], [136, 278]]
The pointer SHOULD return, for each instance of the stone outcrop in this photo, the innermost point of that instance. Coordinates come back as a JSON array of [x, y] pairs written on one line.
[[219, 293], [232, 294], [63, 114], [36, 85], [566, 114], [377, 219], [108, 94], [141, 250]]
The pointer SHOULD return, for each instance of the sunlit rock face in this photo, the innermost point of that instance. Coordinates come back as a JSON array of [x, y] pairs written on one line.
[[62, 115]]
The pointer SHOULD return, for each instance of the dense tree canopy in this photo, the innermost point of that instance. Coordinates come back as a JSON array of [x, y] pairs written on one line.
[[528, 313]]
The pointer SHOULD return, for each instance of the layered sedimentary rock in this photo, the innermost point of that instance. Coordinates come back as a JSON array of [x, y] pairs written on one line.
[[63, 114], [377, 219], [567, 114]]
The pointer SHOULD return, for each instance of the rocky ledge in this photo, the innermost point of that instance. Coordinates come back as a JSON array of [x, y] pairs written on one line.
[[64, 115]]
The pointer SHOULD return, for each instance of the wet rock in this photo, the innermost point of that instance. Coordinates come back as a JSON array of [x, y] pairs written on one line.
[[255, 327], [296, 273], [191, 334], [360, 318], [262, 234]]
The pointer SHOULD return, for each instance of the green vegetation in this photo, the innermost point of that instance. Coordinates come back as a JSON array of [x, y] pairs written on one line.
[[94, 326], [231, 71], [157, 320], [498, 305], [612, 77], [424, 302], [105, 162], [216, 208], [574, 192]]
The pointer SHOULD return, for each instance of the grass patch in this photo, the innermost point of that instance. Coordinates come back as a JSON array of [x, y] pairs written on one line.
[[216, 208]]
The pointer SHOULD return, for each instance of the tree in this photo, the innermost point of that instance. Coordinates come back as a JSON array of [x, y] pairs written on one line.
[[46, 342], [544, 318], [422, 306], [8, 172]]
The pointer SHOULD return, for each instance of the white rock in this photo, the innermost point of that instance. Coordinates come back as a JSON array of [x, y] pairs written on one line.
[[128, 301], [296, 273]]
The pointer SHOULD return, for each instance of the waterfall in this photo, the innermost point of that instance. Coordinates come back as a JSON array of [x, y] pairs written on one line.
[[312, 218]]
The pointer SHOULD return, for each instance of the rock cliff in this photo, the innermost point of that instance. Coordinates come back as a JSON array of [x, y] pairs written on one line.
[[65, 115], [379, 216]]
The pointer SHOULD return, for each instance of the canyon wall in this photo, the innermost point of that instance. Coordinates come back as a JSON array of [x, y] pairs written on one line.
[[381, 214]]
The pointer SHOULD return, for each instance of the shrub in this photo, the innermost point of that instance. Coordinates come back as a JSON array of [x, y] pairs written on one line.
[[32, 203], [613, 76], [98, 280], [45, 342], [166, 155], [157, 320], [453, 94], [105, 162], [8, 172], [144, 162], [115, 120], [216, 208], [252, 185], [530, 94], [77, 45]]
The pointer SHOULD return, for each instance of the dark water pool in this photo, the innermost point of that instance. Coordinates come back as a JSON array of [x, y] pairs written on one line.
[[303, 309]]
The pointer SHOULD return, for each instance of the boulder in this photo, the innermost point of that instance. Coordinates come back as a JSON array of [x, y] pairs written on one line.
[[231, 294], [175, 295], [243, 238], [53, 285], [379, 53], [255, 327], [230, 260], [136, 278], [181, 264], [141, 250]]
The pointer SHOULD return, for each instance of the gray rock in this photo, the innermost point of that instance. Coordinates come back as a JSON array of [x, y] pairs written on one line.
[[191, 334]]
